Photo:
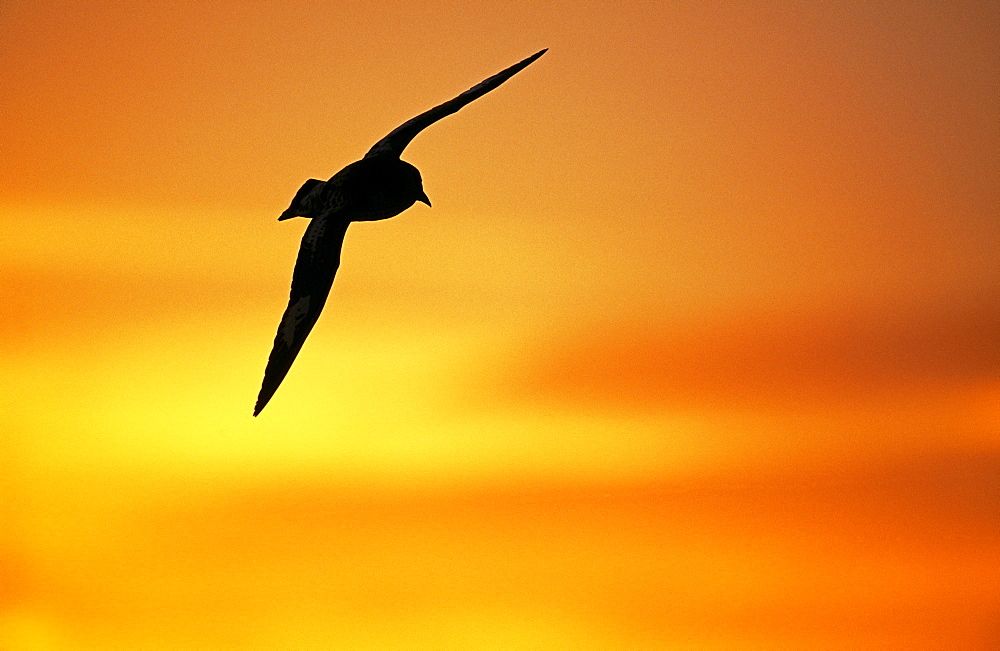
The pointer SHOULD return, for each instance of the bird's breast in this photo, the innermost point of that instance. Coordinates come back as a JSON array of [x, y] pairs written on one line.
[[379, 205], [369, 190], [377, 197]]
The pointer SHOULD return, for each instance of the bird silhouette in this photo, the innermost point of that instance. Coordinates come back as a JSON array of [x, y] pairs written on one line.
[[378, 186]]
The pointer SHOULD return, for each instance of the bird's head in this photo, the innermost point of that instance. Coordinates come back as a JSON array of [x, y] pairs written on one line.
[[415, 185]]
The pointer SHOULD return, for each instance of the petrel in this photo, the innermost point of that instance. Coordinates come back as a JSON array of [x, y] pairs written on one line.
[[378, 186]]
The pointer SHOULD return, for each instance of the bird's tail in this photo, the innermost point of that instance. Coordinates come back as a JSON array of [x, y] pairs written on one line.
[[302, 206]]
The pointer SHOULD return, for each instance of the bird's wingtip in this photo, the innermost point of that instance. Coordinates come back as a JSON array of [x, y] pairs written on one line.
[[518, 67]]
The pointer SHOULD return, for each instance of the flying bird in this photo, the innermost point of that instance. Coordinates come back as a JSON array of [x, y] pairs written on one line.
[[378, 186]]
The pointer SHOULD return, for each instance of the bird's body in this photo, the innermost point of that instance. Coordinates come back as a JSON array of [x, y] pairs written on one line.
[[370, 189], [378, 186]]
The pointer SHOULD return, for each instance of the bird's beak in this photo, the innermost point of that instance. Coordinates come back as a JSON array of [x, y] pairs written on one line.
[[423, 198]]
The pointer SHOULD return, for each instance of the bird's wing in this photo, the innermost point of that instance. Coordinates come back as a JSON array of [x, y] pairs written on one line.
[[315, 267], [395, 142]]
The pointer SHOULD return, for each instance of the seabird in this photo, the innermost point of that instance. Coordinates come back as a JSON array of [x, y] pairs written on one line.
[[378, 186]]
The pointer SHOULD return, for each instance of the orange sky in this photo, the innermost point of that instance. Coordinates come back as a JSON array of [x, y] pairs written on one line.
[[696, 349]]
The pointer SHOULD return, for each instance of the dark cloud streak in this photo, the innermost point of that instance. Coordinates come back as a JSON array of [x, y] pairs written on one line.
[[797, 357]]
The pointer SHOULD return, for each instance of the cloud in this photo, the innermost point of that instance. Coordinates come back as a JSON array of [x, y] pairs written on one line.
[[799, 357]]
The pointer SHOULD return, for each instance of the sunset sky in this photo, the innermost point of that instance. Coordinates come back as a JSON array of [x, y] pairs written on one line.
[[697, 348]]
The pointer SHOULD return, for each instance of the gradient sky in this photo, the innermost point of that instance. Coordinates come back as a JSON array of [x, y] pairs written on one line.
[[697, 348]]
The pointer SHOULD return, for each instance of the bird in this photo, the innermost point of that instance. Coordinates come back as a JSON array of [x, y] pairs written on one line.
[[378, 186]]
